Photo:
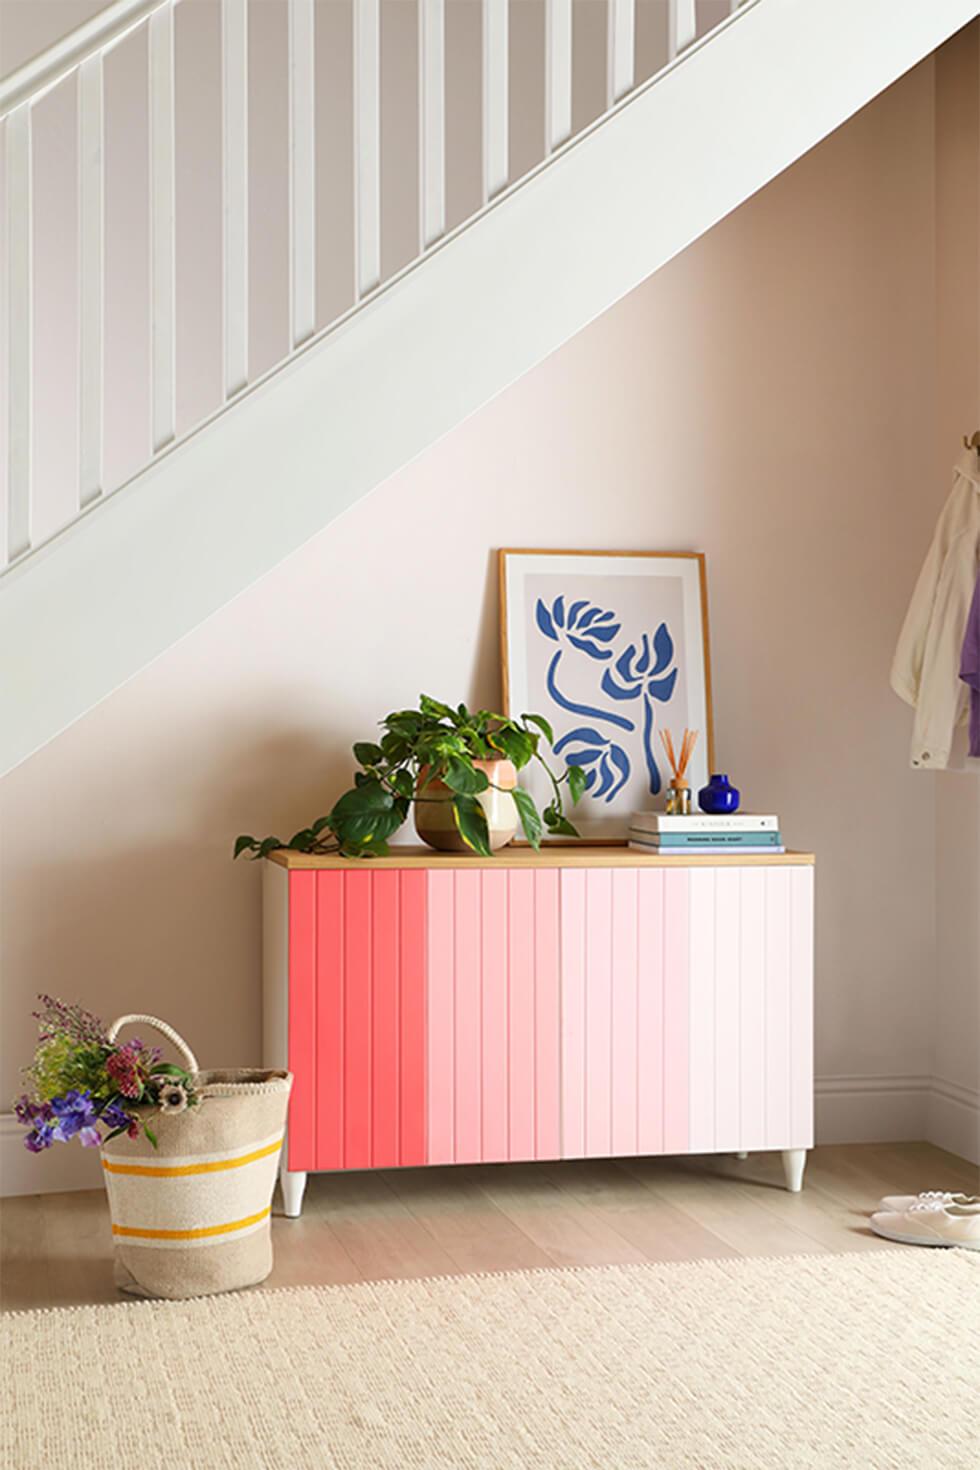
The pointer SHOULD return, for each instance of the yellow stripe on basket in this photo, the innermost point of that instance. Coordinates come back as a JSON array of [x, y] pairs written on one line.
[[159, 1171], [132, 1231]]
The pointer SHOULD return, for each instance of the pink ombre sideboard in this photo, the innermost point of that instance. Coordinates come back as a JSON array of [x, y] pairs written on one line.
[[577, 1003]]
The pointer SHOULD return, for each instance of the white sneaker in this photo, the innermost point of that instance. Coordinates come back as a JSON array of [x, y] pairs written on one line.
[[928, 1223], [897, 1204]]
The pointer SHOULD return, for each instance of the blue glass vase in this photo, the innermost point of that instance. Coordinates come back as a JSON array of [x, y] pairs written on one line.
[[719, 797]]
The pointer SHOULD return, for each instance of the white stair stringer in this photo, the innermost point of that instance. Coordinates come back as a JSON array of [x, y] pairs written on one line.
[[84, 613]]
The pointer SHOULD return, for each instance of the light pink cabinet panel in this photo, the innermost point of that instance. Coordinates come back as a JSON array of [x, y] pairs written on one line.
[[468, 967], [676, 1009], [547, 1016], [752, 1016], [493, 1066], [728, 1000], [751, 999], [521, 1016], [650, 1019], [779, 1032], [598, 1013], [702, 1013], [625, 946], [624, 1011], [573, 1012], [801, 1007], [494, 930]]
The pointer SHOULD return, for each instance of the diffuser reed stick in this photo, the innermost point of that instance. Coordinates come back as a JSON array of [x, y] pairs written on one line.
[[679, 793]]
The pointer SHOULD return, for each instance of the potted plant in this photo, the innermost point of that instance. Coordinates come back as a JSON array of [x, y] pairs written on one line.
[[460, 769]]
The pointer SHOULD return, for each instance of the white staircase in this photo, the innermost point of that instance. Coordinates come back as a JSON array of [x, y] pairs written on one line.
[[135, 567]]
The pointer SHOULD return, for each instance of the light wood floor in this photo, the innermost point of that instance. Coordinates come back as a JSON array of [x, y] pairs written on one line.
[[55, 1249]]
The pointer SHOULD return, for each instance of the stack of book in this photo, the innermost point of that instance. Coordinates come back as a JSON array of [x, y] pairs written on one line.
[[743, 834]]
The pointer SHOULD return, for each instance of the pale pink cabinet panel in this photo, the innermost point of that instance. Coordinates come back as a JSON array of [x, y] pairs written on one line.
[[439, 1012]]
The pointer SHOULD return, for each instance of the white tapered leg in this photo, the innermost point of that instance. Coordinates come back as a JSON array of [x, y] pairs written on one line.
[[794, 1162], [293, 1183]]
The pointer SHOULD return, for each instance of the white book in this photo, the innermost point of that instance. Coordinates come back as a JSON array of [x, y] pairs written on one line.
[[697, 847], [703, 822]]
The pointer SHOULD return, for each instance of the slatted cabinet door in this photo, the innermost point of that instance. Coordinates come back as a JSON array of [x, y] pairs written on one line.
[[459, 1015]]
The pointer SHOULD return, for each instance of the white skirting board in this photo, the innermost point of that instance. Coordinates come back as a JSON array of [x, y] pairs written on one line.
[[895, 1109]]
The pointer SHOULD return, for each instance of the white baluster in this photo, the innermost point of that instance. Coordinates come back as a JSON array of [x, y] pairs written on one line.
[[620, 47], [681, 25], [367, 138], [162, 279], [432, 121], [495, 157], [19, 287], [302, 172], [91, 277], [234, 185], [558, 73]]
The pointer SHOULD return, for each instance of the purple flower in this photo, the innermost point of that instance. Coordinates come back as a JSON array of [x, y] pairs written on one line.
[[40, 1137], [74, 1111], [28, 1112], [114, 1116], [89, 1137]]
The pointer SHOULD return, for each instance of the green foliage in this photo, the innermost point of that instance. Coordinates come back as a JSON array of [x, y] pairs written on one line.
[[435, 742], [60, 1065]]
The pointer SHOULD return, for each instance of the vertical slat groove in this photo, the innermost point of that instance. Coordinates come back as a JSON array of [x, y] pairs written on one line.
[[162, 187], [234, 185], [19, 287], [495, 140], [302, 172], [91, 276], [367, 136], [558, 73], [620, 49], [432, 121]]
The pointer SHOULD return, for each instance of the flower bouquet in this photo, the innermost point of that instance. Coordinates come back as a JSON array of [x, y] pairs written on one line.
[[84, 1085]]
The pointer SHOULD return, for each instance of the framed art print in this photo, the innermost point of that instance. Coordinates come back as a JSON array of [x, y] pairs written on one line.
[[611, 647]]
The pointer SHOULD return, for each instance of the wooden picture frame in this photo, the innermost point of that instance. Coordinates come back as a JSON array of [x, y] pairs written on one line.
[[611, 647]]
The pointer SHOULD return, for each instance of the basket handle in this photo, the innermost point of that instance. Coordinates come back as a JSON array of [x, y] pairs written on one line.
[[161, 1026]]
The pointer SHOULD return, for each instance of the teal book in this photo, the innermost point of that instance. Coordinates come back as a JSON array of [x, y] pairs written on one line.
[[664, 840]]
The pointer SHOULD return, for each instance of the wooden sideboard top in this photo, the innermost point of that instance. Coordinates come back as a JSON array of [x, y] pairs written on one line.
[[554, 855]]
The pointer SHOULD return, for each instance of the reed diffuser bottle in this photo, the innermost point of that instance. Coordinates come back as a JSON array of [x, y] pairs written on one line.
[[678, 789]]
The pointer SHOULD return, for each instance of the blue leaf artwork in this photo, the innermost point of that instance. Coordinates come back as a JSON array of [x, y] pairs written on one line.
[[641, 670], [607, 765]]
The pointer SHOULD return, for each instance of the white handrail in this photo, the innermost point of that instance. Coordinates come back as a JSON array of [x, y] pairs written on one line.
[[96, 35]]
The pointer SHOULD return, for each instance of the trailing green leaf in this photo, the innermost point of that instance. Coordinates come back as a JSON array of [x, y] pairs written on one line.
[[542, 725], [577, 779], [462, 777], [528, 812], [471, 823]]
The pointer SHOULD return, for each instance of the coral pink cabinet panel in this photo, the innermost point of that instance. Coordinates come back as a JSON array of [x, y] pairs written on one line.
[[440, 1010]]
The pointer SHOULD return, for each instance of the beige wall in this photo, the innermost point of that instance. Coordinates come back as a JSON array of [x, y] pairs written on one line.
[[769, 397], [954, 984]]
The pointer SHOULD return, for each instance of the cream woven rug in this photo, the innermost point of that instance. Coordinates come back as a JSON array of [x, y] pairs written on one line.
[[868, 1361]]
